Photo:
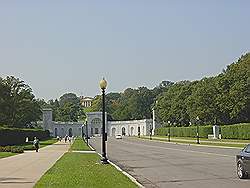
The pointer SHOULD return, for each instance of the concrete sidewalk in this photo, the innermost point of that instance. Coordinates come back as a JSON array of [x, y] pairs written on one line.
[[24, 170]]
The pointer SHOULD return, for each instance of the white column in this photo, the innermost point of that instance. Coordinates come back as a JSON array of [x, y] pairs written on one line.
[[153, 128]]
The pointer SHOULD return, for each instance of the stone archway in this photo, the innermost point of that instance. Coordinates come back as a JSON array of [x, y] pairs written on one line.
[[70, 132], [56, 133], [62, 132], [113, 131], [132, 131], [123, 131]]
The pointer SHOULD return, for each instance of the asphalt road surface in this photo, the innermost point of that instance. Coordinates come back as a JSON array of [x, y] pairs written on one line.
[[169, 165]]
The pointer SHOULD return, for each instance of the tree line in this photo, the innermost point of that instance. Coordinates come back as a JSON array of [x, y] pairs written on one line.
[[67, 109], [19, 108], [222, 99]]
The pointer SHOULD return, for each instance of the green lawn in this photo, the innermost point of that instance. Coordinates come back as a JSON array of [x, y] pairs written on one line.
[[203, 141], [6, 154], [83, 170], [79, 145], [43, 143]]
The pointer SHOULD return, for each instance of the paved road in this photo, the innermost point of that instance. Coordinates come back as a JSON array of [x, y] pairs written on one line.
[[24, 170], [161, 164]]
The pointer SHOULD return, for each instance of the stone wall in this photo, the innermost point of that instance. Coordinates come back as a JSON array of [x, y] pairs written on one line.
[[60, 128], [130, 128], [93, 126]]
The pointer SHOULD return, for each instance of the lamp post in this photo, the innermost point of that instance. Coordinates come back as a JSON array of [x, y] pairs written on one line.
[[87, 135], [197, 130], [150, 132], [169, 130], [154, 120], [103, 86]]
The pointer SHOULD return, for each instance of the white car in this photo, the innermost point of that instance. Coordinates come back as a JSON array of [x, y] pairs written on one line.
[[118, 136]]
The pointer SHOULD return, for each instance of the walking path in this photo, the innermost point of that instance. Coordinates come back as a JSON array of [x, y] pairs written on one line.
[[24, 170]]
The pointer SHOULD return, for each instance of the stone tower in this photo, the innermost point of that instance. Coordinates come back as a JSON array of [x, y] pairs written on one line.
[[47, 118]]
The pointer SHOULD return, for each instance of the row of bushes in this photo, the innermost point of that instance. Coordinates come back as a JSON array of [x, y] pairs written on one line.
[[185, 131], [236, 131], [14, 136], [13, 149]]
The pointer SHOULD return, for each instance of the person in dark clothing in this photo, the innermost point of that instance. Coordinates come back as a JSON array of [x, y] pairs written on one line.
[[36, 144]]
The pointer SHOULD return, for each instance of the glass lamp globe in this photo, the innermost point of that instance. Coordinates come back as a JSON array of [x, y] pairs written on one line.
[[103, 84]]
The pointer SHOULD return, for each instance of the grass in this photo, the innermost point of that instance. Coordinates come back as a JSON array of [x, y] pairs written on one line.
[[42, 143], [83, 170], [203, 141], [6, 154], [79, 145]]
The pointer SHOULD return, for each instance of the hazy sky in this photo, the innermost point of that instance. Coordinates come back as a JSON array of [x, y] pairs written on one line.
[[68, 46]]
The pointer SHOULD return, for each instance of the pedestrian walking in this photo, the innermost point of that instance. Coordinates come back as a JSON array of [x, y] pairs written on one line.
[[36, 143], [70, 139]]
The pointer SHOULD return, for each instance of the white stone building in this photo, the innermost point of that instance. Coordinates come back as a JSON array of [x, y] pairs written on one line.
[[93, 126], [60, 128], [86, 101]]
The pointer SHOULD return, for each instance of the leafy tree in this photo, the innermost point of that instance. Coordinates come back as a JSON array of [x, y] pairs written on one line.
[[18, 106], [68, 108]]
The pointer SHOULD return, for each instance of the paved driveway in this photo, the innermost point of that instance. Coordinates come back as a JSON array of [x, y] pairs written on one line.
[[24, 170], [162, 164]]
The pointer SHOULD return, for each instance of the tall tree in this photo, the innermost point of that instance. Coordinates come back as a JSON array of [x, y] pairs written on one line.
[[18, 105]]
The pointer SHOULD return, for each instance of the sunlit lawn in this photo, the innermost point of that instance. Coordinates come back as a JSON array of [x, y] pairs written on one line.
[[79, 145], [83, 170], [223, 142], [6, 154]]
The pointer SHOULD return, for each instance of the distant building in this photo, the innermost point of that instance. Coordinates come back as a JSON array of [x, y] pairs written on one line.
[[86, 101], [93, 126]]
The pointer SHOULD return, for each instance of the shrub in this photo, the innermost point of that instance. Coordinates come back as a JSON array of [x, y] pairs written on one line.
[[16, 149], [13, 149], [236, 131], [186, 131], [14, 136], [5, 148]]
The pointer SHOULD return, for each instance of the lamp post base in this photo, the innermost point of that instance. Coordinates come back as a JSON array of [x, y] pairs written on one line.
[[104, 160]]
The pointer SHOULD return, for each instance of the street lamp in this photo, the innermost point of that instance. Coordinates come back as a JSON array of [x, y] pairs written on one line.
[[169, 130], [87, 134], [103, 86], [150, 132], [197, 129]]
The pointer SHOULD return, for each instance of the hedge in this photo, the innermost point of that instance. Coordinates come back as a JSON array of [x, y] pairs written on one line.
[[236, 131], [15, 136], [186, 131], [12, 149]]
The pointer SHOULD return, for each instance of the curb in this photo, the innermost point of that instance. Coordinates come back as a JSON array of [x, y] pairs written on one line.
[[127, 174], [83, 151], [122, 171]]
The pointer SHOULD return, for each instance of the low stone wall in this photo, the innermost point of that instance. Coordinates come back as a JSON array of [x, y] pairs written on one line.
[[65, 128], [130, 128]]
